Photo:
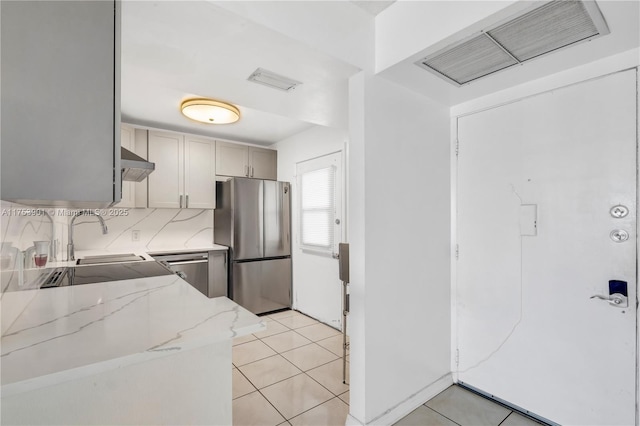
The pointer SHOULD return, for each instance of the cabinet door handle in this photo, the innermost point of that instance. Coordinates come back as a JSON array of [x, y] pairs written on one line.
[[187, 201], [251, 171], [180, 200], [246, 171]]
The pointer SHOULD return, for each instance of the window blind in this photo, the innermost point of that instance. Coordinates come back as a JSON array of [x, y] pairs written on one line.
[[317, 208]]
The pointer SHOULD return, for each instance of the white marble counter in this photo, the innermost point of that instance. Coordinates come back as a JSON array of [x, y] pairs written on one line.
[[72, 332]]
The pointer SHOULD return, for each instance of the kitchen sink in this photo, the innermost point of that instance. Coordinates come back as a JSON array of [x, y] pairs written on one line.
[[110, 258]]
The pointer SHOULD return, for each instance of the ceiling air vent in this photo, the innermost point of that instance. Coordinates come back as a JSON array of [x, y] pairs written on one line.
[[273, 80], [538, 31]]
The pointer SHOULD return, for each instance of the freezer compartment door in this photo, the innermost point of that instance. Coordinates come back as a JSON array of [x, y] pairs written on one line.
[[277, 222], [247, 201], [262, 286]]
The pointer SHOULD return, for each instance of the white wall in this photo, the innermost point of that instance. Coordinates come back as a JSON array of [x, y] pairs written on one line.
[[338, 28], [317, 291], [400, 233]]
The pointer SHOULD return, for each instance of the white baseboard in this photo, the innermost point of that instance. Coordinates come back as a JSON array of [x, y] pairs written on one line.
[[394, 414]]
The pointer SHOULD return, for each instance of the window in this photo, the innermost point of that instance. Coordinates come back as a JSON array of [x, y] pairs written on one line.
[[319, 203], [317, 208]]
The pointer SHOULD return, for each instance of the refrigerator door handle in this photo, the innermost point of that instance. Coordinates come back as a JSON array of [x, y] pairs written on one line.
[[261, 219]]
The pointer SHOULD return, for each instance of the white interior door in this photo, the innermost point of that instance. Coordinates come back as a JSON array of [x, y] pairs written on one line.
[[317, 289], [536, 182]]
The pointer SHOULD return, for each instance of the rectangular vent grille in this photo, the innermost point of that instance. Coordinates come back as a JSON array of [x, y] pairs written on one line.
[[273, 80], [544, 29], [470, 60]]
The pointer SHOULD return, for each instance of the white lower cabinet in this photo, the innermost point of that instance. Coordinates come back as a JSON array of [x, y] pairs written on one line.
[[184, 176]]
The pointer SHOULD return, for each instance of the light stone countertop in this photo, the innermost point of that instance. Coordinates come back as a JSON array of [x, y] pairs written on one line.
[[137, 251], [66, 333]]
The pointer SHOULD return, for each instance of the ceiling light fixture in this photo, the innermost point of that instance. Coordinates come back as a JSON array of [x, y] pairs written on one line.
[[209, 111]]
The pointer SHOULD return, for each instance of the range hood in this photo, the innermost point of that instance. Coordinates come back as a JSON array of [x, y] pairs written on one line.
[[134, 167]]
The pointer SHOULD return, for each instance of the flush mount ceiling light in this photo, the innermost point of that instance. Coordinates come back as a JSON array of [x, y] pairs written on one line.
[[209, 111], [538, 31], [271, 79]]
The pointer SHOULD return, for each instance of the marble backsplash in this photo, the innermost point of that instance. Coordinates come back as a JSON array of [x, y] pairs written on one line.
[[154, 229], [128, 229]]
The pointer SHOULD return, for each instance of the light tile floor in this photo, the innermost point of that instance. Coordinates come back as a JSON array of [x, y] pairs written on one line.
[[458, 406], [291, 374]]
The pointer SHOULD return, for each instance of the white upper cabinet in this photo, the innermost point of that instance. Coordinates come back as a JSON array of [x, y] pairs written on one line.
[[199, 173], [184, 176], [232, 159], [263, 163], [166, 183], [246, 161], [60, 118]]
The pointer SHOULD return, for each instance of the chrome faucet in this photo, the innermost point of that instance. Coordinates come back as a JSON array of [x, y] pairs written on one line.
[[53, 246], [70, 252]]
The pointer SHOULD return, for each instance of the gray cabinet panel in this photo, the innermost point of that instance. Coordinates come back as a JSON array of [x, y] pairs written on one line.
[[218, 274], [263, 163], [60, 103]]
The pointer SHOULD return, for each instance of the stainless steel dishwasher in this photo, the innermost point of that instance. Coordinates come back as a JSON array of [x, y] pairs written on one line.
[[206, 271]]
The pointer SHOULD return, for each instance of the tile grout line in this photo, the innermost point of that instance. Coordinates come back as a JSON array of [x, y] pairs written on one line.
[[316, 406], [290, 377], [339, 357], [266, 399], [503, 420], [438, 412], [313, 368], [301, 371], [274, 383], [330, 391], [251, 383], [296, 347]]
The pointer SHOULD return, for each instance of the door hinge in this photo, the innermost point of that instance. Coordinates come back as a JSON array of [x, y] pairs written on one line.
[[457, 147], [457, 357], [457, 252]]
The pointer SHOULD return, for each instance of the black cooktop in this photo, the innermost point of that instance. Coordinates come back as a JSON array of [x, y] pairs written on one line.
[[91, 274]]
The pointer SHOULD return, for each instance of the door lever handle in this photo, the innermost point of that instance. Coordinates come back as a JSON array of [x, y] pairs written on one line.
[[618, 300]]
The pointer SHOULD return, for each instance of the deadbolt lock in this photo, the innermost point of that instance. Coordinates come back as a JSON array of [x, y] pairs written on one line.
[[619, 235], [619, 211]]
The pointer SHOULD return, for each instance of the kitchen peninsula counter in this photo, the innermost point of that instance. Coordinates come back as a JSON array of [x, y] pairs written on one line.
[[145, 351]]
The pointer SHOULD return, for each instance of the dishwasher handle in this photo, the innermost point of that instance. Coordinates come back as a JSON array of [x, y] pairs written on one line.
[[186, 262], [179, 257]]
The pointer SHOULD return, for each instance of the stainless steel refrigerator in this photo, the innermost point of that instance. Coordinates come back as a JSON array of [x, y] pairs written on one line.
[[253, 218]]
